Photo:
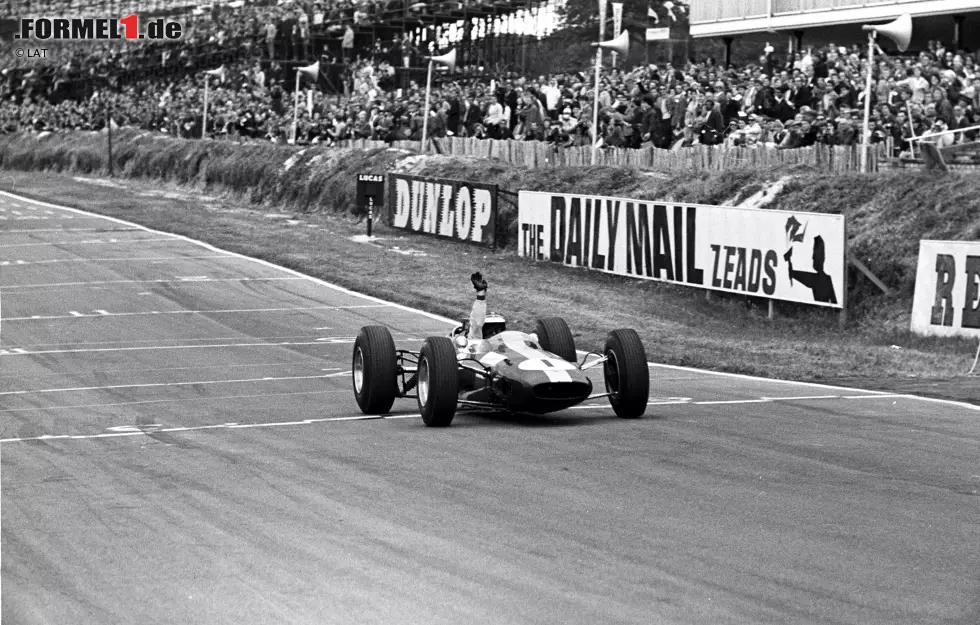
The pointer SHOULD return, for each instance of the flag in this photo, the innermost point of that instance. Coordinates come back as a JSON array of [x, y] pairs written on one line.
[[348, 41], [795, 230], [670, 10], [653, 15]]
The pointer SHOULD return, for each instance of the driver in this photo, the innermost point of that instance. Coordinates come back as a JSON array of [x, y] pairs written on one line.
[[481, 326]]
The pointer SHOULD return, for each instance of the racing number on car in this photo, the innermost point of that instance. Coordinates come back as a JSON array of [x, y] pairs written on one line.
[[556, 370]]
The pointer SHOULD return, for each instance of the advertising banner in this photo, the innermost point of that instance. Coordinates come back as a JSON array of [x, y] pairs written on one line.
[[947, 289], [453, 209], [790, 256]]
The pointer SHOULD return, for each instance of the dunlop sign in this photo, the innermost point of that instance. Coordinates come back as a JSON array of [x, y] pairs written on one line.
[[947, 289], [796, 257], [447, 208]]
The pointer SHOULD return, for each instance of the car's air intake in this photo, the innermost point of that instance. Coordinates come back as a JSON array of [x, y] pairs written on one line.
[[562, 390]]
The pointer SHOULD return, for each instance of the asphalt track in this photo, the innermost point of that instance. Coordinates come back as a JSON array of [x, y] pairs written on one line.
[[180, 444]]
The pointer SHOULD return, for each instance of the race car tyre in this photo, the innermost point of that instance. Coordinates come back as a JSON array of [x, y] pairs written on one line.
[[374, 370], [438, 385], [627, 374], [555, 337]]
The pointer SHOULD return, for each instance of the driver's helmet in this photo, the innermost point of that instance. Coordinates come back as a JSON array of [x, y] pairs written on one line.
[[493, 325]]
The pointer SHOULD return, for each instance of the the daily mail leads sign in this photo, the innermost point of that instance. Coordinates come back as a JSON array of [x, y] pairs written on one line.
[[448, 208], [947, 289], [797, 257]]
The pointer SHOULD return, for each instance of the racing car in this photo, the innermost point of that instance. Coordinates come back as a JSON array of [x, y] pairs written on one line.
[[511, 371]]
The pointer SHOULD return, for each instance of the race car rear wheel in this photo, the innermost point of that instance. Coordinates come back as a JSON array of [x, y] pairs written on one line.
[[374, 370], [627, 374], [438, 385], [555, 337]]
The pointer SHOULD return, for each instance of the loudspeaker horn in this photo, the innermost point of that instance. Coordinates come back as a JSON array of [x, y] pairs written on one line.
[[448, 59], [620, 45], [311, 71], [898, 30], [220, 73]]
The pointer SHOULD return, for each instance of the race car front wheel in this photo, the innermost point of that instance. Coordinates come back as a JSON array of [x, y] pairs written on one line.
[[555, 337], [627, 374], [438, 384], [374, 370]]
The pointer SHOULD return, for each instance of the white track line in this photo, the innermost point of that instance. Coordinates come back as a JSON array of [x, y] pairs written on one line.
[[312, 362], [103, 314], [440, 318], [173, 401], [94, 242], [212, 248], [800, 398], [107, 260], [78, 344], [885, 396], [154, 429], [221, 426], [79, 389], [25, 230], [740, 376], [87, 350], [173, 281]]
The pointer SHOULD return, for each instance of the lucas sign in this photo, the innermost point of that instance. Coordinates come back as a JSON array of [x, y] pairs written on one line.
[[947, 289], [796, 257], [466, 211]]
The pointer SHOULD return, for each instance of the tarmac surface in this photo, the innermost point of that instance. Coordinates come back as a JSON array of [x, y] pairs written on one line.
[[179, 443]]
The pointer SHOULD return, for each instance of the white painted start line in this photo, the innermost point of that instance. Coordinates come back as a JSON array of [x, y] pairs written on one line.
[[151, 429]]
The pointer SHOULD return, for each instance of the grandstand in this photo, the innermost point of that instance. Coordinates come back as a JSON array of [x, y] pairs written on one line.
[[803, 23], [487, 32], [490, 35], [371, 58]]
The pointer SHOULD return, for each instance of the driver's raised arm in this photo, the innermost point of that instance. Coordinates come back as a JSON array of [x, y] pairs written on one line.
[[479, 312]]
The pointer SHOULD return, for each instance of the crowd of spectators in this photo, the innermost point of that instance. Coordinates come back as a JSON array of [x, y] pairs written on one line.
[[282, 30], [810, 97]]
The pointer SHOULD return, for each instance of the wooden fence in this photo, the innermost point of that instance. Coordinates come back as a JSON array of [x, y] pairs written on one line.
[[536, 154]]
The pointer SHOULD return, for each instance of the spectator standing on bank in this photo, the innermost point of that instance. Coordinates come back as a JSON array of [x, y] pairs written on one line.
[[270, 38]]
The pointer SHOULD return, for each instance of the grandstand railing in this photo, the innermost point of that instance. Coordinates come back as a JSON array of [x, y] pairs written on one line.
[[707, 11], [936, 137]]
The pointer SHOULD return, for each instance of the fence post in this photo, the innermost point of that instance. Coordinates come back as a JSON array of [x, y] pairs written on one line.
[[842, 320]]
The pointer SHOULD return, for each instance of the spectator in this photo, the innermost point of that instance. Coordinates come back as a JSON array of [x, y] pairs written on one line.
[[818, 95]]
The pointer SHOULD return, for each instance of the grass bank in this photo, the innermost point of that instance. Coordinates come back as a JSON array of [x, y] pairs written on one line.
[[224, 193]]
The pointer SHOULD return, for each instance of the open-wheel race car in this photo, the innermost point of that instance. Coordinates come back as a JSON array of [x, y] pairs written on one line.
[[512, 371]]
